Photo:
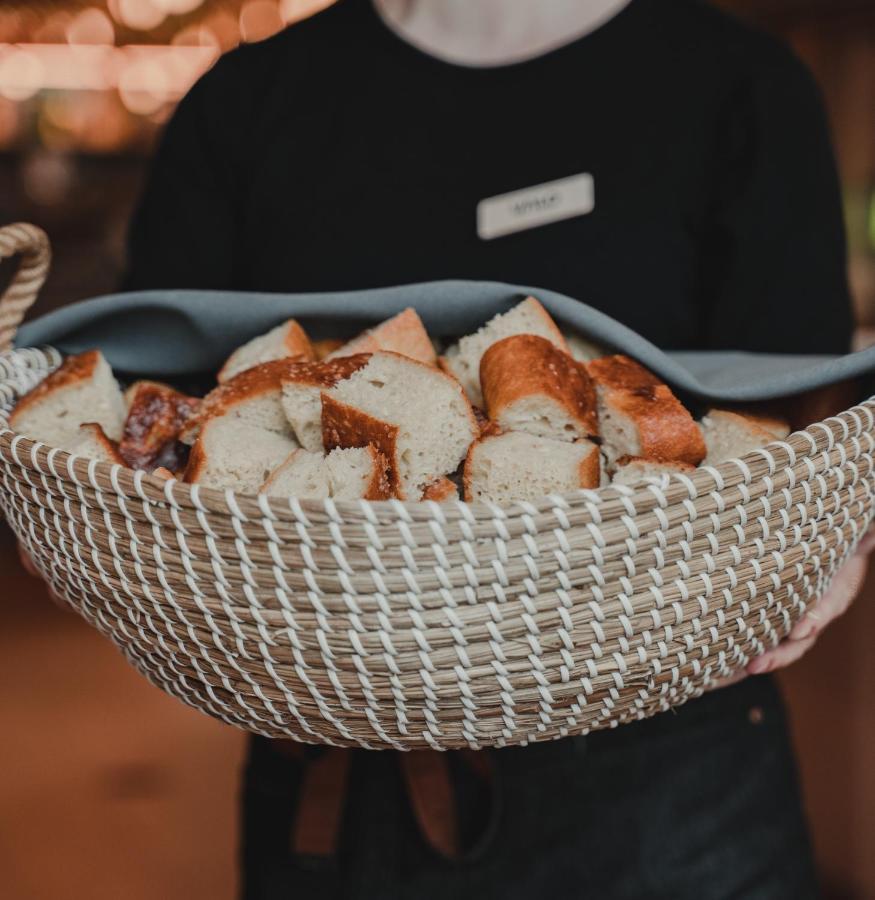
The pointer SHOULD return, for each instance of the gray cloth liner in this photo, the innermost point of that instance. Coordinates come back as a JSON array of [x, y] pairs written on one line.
[[167, 334]]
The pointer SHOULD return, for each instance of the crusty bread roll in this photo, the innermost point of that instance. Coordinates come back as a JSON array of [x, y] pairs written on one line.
[[633, 469], [404, 334], [156, 414], [253, 397], [462, 360], [640, 416], [343, 474], [417, 416], [91, 441], [514, 465], [302, 395], [531, 385], [82, 390], [286, 341], [231, 452], [440, 491], [730, 434]]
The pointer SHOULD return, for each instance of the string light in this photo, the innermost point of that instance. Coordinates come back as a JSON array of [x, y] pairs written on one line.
[[91, 26]]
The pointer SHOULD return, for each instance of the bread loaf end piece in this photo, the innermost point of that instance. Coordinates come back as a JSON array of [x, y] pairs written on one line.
[[531, 385], [462, 360], [640, 416]]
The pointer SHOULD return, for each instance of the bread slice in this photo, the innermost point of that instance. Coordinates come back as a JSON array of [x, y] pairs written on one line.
[[640, 416], [156, 414], [302, 395], [351, 474], [729, 435], [441, 490], [512, 466], [404, 334], [531, 385], [232, 453], [417, 416], [253, 397], [286, 341], [82, 390], [163, 473], [91, 441], [462, 360], [581, 349], [633, 469]]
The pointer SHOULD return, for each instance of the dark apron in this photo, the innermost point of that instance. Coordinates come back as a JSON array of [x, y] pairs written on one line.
[[700, 803]]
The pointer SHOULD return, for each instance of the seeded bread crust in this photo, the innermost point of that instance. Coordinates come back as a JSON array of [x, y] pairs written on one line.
[[661, 428], [404, 334], [156, 414], [526, 370]]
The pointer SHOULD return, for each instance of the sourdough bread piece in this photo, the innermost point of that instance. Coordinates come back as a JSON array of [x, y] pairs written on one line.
[[504, 468], [582, 349], [302, 390], [634, 469], [640, 416], [82, 390], [286, 341], [462, 360], [156, 414], [531, 385], [253, 397], [91, 441], [415, 415], [404, 334], [729, 435], [441, 490], [352, 474], [302, 474], [232, 453]]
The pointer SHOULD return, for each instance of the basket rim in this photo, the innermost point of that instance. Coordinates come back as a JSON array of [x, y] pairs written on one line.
[[177, 493]]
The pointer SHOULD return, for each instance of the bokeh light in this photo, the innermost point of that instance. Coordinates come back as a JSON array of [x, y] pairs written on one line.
[[177, 7], [90, 26], [140, 15], [259, 19], [21, 74], [144, 87]]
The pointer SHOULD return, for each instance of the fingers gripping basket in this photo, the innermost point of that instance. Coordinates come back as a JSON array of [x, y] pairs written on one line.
[[407, 625]]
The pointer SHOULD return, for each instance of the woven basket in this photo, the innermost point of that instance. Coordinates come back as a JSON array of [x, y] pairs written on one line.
[[389, 624]]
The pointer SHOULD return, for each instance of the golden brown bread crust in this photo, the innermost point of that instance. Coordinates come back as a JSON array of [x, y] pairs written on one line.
[[526, 365], [590, 470], [345, 426], [441, 490], [297, 343], [156, 414], [108, 444], [323, 348], [403, 334], [74, 369], [327, 373], [163, 474], [197, 462], [380, 486], [666, 429]]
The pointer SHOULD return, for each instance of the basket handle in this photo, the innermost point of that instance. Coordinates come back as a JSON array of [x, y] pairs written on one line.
[[32, 244]]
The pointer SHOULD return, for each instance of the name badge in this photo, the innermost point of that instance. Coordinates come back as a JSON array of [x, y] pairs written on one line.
[[534, 206]]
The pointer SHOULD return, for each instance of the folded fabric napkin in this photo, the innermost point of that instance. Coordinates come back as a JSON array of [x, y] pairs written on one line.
[[171, 334]]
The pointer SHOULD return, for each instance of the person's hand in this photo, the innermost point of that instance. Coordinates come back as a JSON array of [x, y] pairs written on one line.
[[842, 592]]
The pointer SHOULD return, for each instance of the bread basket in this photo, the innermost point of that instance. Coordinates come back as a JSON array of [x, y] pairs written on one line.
[[406, 625]]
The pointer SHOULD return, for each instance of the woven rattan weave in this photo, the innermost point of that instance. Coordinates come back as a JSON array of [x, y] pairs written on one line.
[[416, 624]]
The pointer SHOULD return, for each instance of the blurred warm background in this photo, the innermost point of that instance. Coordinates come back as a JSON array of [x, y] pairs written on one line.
[[109, 789]]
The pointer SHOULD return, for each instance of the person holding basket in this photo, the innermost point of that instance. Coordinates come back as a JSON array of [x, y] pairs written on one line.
[[673, 169]]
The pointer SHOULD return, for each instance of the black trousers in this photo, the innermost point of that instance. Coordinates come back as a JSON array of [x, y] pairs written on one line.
[[702, 803]]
